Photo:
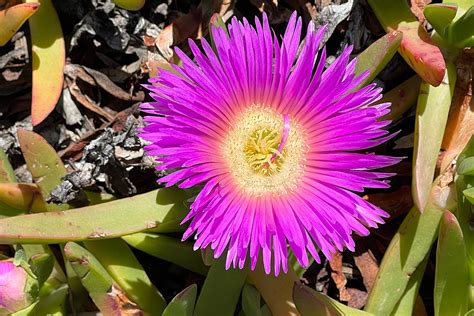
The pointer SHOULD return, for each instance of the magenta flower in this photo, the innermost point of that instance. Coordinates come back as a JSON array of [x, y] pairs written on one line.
[[270, 137]]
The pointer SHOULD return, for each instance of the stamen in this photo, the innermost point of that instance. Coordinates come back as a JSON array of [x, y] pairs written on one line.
[[284, 136], [265, 155]]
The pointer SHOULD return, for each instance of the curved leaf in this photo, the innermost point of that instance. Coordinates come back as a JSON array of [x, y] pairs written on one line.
[[169, 249], [47, 47], [12, 18], [451, 275], [431, 117], [311, 303], [107, 220], [128, 273], [183, 303], [377, 56], [44, 164], [221, 290], [440, 15], [416, 47]]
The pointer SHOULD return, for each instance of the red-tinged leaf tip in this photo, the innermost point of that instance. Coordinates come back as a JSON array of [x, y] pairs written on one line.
[[12, 18], [49, 53], [420, 52]]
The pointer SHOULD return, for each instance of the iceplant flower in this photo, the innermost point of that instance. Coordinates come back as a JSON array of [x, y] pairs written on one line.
[[274, 142], [17, 288]]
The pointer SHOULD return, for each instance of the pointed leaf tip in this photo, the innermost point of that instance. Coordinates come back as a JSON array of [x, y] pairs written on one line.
[[12, 18]]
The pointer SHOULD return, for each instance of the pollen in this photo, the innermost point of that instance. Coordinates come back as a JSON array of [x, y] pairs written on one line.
[[265, 151]]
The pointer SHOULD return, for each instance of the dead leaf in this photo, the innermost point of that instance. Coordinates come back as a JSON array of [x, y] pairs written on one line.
[[358, 298], [115, 302], [367, 265], [86, 101], [417, 7], [338, 277]]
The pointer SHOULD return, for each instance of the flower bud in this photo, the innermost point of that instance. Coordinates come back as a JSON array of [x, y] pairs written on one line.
[[18, 289]]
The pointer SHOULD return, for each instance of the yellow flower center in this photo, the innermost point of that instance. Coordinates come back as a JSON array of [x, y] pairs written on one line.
[[265, 151]]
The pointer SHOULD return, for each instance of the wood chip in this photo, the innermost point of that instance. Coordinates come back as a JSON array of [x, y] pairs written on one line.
[[338, 277]]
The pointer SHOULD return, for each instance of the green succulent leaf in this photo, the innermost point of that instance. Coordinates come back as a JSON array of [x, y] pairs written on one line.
[[54, 303], [7, 175], [466, 167], [431, 117], [12, 18], [461, 32], [407, 303], [183, 303], [44, 164], [377, 56], [223, 284], [106, 220], [416, 47], [49, 57], [169, 249], [311, 303], [469, 194], [406, 252], [251, 301], [440, 15], [128, 273], [42, 265], [451, 275]]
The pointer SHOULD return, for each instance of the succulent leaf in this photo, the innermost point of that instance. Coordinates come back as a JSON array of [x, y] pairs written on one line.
[[451, 274], [48, 49], [12, 18], [183, 303], [416, 47]]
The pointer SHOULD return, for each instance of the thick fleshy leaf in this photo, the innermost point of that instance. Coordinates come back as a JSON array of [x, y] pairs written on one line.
[[54, 303], [440, 15], [106, 295], [416, 46], [128, 273], [377, 56], [276, 291], [407, 303], [465, 201], [431, 117], [169, 249], [107, 220], [12, 18], [27, 311], [407, 250], [461, 33], [402, 97], [132, 5], [183, 303], [44, 164], [42, 265], [7, 175], [22, 196], [47, 47], [466, 167], [250, 300], [311, 303], [451, 275], [221, 290], [469, 194]]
